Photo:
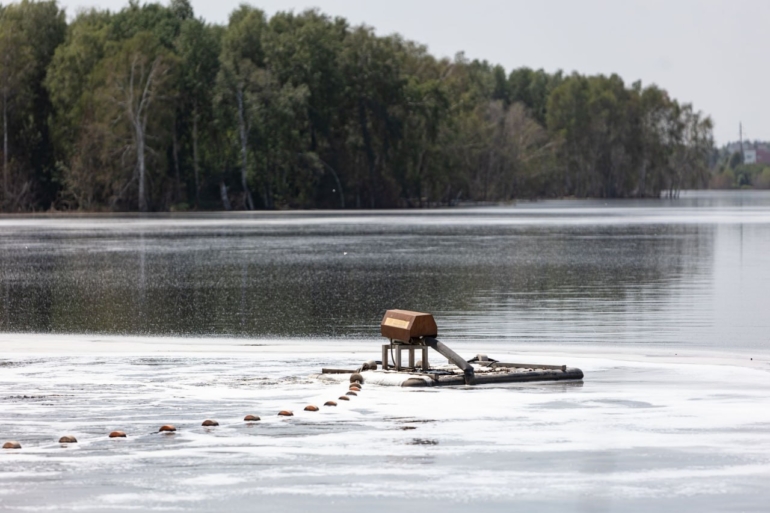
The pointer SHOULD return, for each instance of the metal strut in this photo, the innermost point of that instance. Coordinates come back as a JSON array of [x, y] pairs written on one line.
[[452, 357]]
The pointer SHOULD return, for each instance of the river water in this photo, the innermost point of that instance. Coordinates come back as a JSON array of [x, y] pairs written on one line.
[[129, 322]]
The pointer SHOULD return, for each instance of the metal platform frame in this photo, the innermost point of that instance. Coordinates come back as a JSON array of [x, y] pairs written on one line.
[[395, 348]]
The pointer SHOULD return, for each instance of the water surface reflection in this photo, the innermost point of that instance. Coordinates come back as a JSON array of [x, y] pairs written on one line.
[[688, 272]]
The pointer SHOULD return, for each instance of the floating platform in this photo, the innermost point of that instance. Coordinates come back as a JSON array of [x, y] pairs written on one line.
[[495, 373], [416, 332]]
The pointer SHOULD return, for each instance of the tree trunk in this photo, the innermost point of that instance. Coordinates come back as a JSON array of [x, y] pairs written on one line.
[[339, 184], [5, 148], [362, 119], [140, 164], [420, 167], [175, 142], [195, 156], [266, 178], [244, 159], [223, 195]]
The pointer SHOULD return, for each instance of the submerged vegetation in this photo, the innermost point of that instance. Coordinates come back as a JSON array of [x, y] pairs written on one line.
[[150, 108]]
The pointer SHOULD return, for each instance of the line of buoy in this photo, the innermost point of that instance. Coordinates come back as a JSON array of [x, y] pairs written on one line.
[[356, 382]]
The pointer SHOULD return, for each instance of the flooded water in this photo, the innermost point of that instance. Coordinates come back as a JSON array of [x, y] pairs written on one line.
[[131, 322], [692, 272]]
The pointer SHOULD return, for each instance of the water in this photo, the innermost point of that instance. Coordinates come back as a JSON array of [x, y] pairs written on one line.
[[692, 272], [129, 322]]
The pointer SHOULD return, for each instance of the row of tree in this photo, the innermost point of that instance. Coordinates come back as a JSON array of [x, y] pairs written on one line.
[[151, 108]]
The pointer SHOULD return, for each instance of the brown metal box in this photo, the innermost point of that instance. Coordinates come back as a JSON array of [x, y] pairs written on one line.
[[404, 325]]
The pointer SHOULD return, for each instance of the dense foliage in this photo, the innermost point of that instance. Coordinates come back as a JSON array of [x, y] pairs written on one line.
[[151, 108]]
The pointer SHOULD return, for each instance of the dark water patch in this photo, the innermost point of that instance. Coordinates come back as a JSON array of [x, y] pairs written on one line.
[[33, 398], [562, 405], [422, 441], [667, 274], [410, 460], [410, 420], [626, 403]]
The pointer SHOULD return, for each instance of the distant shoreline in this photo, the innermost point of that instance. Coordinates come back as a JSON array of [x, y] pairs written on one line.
[[684, 194]]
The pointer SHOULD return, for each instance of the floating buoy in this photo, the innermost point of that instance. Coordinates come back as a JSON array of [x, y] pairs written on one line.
[[11, 445], [330, 403], [168, 428], [310, 407], [285, 413], [117, 434], [68, 440], [344, 398], [209, 423], [356, 377], [251, 418], [352, 393], [355, 388], [414, 382]]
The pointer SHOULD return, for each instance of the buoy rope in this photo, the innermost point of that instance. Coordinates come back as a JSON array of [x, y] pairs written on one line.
[[208, 423]]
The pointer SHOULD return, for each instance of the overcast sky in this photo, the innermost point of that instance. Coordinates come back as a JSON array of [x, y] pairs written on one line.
[[714, 54]]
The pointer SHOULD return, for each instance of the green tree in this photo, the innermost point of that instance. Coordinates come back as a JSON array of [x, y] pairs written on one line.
[[148, 107], [29, 35], [78, 132], [136, 82], [198, 48], [15, 68], [374, 103], [241, 59]]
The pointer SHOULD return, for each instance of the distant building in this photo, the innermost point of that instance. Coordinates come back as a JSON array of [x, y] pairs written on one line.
[[753, 152], [763, 156]]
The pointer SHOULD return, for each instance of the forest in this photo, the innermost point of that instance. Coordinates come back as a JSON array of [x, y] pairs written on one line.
[[152, 109]]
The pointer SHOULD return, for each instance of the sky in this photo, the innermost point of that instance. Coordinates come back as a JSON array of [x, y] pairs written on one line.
[[714, 54]]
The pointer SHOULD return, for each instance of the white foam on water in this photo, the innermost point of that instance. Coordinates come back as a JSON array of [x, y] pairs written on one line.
[[643, 426]]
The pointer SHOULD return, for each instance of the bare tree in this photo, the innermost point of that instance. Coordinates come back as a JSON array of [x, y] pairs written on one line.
[[136, 92], [137, 81]]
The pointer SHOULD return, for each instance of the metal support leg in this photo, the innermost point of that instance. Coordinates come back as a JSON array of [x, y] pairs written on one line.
[[411, 358], [385, 356], [425, 365], [398, 357]]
